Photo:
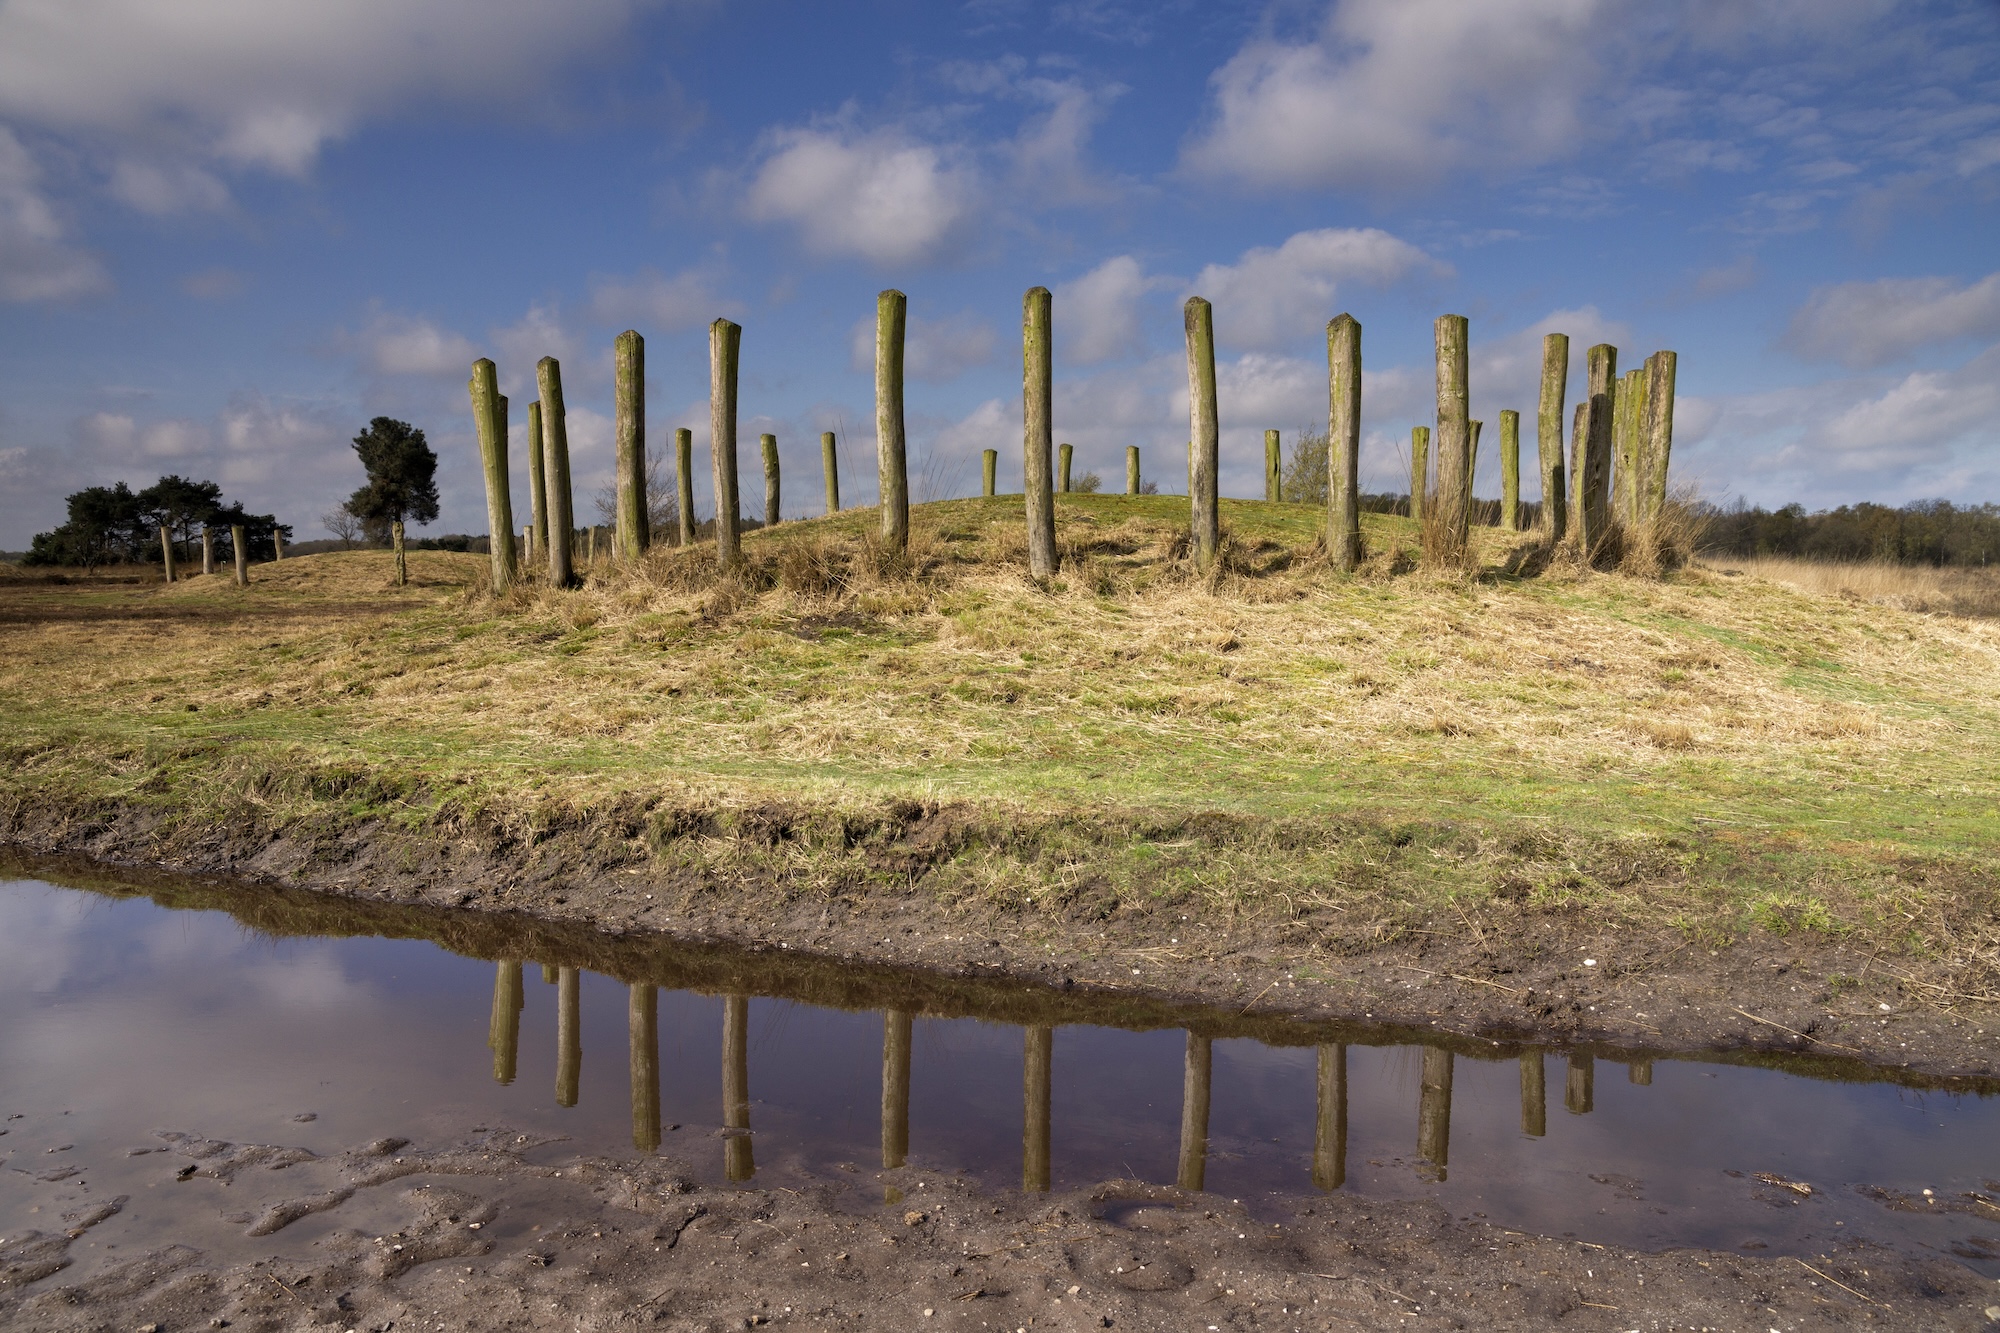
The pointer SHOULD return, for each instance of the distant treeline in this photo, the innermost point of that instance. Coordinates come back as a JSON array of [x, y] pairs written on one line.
[[117, 525], [1925, 532]]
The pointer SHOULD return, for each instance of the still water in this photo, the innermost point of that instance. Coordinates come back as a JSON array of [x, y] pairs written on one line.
[[265, 1017]]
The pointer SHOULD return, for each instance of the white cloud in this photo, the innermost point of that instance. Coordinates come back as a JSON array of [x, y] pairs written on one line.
[[933, 349], [520, 346], [880, 195], [688, 299], [1919, 417], [408, 345], [1873, 323], [38, 262], [1097, 315], [1273, 296], [214, 284], [164, 188]]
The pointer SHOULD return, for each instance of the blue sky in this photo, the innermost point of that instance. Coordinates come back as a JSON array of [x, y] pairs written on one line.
[[231, 231]]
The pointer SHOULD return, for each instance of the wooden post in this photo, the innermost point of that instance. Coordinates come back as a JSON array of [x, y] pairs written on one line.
[[891, 314], [642, 1026], [538, 487], [895, 1088], [1274, 468], [1631, 403], [989, 471], [1329, 1170], [239, 543], [527, 544], [725, 343], [1131, 469], [1590, 451], [738, 1162], [1063, 456], [684, 482], [1510, 471], [1657, 434], [1038, 1055], [1579, 1089], [1549, 435], [569, 1037], [489, 418], [1343, 442], [1434, 1111], [1472, 430], [278, 535], [1534, 1095], [561, 525], [207, 549], [1038, 429], [769, 444], [1204, 430], [1454, 434], [829, 462], [503, 1028], [402, 562], [629, 427], [167, 552], [590, 547], [1194, 1112], [1420, 469]]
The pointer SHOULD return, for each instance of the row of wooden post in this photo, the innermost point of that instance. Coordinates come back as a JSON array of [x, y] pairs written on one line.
[[1329, 1168], [239, 544]]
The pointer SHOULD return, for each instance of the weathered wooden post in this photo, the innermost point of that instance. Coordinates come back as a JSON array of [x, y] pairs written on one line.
[[1329, 1171], [1454, 438], [895, 1088], [1549, 435], [1420, 469], [1579, 1090], [167, 551], [239, 544], [769, 444], [1657, 434], [1434, 1110], [684, 483], [1534, 1095], [402, 560], [1205, 430], [489, 418], [1131, 469], [1038, 430], [1590, 451], [207, 549], [829, 462], [569, 1037], [634, 523], [642, 1026], [1631, 405], [738, 1162], [590, 547], [538, 487], [1274, 468], [1472, 430], [1510, 471], [527, 545], [1343, 442], [1063, 456], [561, 519], [891, 314], [989, 471], [278, 537], [1038, 1054], [503, 1027], [1194, 1112], [725, 343]]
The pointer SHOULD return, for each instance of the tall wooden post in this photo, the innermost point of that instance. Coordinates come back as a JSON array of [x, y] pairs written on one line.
[[1064, 454], [1330, 1123], [1194, 1112], [489, 418], [1434, 1111], [895, 1088], [1454, 435], [1204, 429], [402, 560], [1657, 434], [829, 462], [1590, 460], [278, 533], [642, 1026], [167, 551], [503, 1028], [684, 483], [1549, 435], [1343, 442], [725, 343], [1038, 430], [1510, 471], [1579, 1090], [1631, 403], [1039, 1047], [555, 456], [634, 522], [538, 487], [1472, 430], [769, 444], [569, 1037], [1420, 469], [1274, 468], [1131, 469], [207, 549], [989, 471], [891, 314], [1534, 1095], [738, 1162], [239, 544]]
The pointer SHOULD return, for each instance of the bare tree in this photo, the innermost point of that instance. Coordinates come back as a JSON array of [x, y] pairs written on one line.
[[344, 526]]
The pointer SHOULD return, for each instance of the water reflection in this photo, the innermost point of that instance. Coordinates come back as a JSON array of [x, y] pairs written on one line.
[[895, 1087], [1534, 1095], [503, 1031], [737, 1161], [1579, 1090], [643, 1024], [1036, 1086], [569, 1036], [1195, 1073], [1330, 1122], [1434, 1112]]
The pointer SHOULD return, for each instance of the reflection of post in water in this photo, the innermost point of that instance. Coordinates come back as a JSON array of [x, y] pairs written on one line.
[[1434, 1111], [569, 1038], [1035, 1083], [1640, 1071], [1534, 1095], [737, 1161], [895, 1087], [549, 973], [1194, 1113], [643, 1024], [503, 1030], [1582, 1078], [1330, 1129]]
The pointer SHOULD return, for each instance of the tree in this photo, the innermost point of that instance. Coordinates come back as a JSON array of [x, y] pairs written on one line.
[[108, 523], [344, 526], [402, 481]]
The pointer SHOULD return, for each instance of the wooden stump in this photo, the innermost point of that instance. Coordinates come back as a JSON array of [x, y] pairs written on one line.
[[555, 462], [829, 462], [569, 1037], [1510, 471], [1534, 1095], [239, 545], [739, 1163], [684, 482], [1131, 469], [1420, 469], [1274, 468], [1434, 1111], [989, 469], [769, 444], [1549, 435], [1064, 455]]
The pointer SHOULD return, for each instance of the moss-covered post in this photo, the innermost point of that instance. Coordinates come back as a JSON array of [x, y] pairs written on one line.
[[1329, 1170], [527, 544], [239, 546], [167, 552], [1205, 431], [402, 560], [1454, 436], [1657, 434], [278, 542], [1274, 468], [1434, 1111], [503, 1026], [769, 444], [1194, 1112], [725, 345], [1343, 442], [829, 462], [629, 426], [684, 483], [1625, 447], [892, 310], [1038, 430], [1534, 1095], [989, 471], [1580, 1088], [1131, 469], [895, 1087], [489, 419], [1590, 452], [1510, 471], [208, 548], [738, 1162], [642, 1026], [538, 488], [569, 1037], [1549, 435], [561, 517], [1420, 469], [1064, 454], [1036, 1087]]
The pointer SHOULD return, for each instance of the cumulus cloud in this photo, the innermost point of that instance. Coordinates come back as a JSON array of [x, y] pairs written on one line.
[[687, 299], [1874, 323], [933, 349], [397, 344], [38, 260], [879, 195], [167, 188], [1272, 296], [1097, 315]]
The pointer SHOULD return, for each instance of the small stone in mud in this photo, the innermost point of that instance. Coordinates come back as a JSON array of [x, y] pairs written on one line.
[[305, 1117], [914, 1218]]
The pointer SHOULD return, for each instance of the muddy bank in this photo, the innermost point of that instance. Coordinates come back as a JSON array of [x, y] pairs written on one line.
[[505, 1230]]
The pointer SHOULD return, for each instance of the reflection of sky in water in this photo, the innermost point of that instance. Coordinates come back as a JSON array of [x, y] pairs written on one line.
[[132, 1018]]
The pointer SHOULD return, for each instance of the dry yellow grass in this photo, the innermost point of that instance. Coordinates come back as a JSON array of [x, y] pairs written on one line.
[[1957, 592]]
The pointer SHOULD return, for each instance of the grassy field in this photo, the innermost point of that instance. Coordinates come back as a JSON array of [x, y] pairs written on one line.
[[1716, 751]]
